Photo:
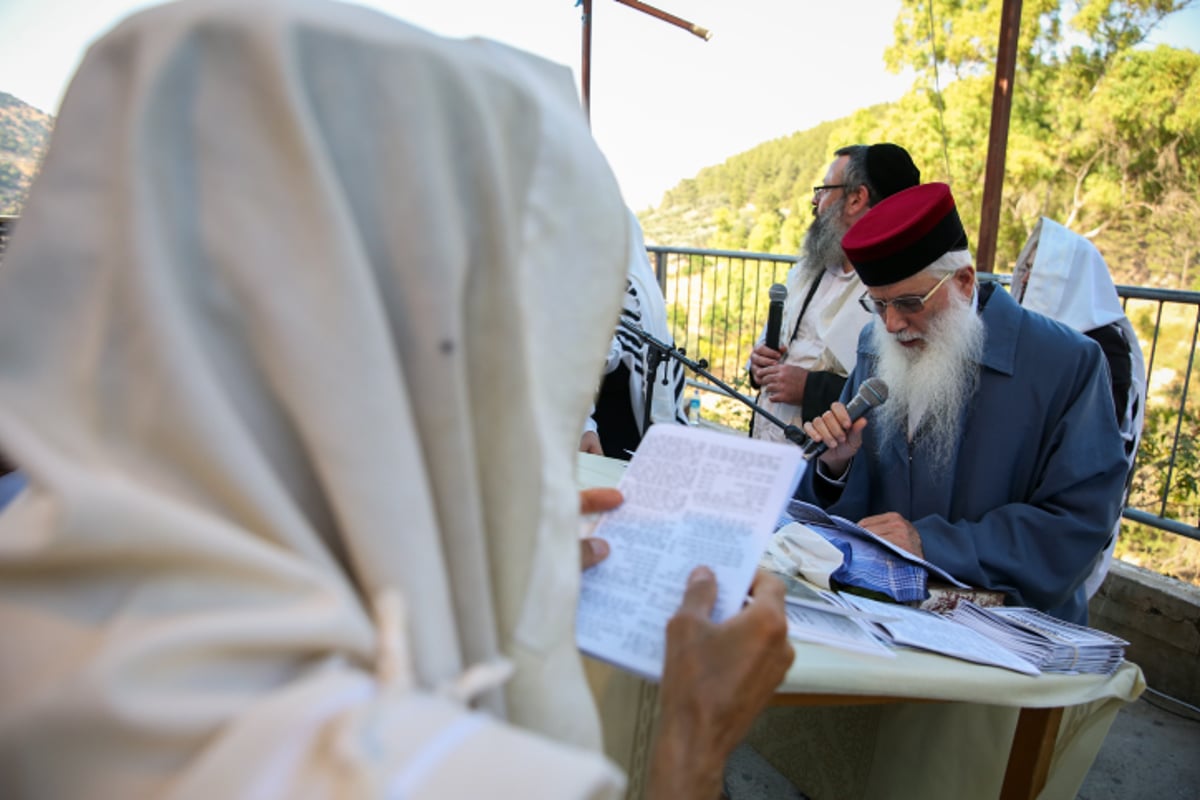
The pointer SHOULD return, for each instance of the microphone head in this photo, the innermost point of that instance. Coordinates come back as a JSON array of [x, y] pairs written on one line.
[[777, 292], [874, 391]]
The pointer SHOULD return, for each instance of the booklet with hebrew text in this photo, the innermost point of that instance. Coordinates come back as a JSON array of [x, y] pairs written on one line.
[[692, 498]]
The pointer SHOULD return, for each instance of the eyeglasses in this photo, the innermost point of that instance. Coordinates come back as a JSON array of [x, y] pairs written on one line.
[[905, 304], [828, 186]]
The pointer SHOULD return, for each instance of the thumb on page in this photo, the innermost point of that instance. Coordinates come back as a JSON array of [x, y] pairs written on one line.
[[701, 593]]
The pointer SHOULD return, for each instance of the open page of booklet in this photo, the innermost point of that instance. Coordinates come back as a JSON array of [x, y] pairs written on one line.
[[692, 498]]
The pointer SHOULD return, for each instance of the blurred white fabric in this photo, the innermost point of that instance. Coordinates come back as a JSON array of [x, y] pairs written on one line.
[[275, 327]]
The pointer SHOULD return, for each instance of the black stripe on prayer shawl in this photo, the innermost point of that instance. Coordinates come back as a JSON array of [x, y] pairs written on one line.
[[679, 380], [627, 342], [630, 345]]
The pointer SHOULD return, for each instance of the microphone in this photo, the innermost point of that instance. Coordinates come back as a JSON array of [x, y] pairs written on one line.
[[778, 293], [871, 393]]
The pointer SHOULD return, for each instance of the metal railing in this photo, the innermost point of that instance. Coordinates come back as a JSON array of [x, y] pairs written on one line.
[[717, 301], [717, 304]]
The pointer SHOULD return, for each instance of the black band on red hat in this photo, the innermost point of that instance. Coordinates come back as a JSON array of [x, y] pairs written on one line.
[[904, 233]]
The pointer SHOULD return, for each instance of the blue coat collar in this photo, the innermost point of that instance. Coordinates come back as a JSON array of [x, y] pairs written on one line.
[[1002, 317]]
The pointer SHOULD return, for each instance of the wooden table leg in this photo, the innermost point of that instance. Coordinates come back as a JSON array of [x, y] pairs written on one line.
[[1032, 749]]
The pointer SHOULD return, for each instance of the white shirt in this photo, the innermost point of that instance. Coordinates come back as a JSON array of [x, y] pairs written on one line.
[[827, 339]]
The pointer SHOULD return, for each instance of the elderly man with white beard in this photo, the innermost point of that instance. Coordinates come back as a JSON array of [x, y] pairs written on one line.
[[996, 456]]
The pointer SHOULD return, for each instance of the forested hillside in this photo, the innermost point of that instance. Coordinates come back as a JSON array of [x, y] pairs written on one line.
[[722, 204], [1105, 138], [24, 132]]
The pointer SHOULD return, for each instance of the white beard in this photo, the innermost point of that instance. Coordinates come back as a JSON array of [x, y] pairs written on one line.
[[929, 387]]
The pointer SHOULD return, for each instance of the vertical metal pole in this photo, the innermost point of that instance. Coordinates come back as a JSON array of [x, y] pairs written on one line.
[[993, 180], [586, 77]]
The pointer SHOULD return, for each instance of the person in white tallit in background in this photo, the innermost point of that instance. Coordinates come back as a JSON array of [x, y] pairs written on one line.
[[617, 423], [1061, 274], [301, 517]]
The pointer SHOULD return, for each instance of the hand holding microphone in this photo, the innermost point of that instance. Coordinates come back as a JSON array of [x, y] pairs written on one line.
[[767, 354], [839, 430], [778, 294]]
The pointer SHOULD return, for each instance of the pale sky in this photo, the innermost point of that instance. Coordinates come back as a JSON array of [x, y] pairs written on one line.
[[664, 102]]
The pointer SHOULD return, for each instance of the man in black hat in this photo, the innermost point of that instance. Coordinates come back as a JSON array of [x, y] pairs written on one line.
[[822, 317], [997, 455]]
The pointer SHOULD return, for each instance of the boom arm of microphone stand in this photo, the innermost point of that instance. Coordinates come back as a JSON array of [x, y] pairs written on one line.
[[794, 433]]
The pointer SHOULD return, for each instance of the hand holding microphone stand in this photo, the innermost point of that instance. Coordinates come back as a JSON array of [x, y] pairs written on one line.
[[657, 351]]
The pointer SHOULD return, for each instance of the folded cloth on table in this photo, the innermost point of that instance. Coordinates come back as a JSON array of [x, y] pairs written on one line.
[[876, 569], [795, 549], [832, 562], [867, 562]]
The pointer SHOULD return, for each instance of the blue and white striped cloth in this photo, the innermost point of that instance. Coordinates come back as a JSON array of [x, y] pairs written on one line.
[[868, 562]]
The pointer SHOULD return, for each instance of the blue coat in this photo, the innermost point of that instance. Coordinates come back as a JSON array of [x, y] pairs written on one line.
[[1036, 485]]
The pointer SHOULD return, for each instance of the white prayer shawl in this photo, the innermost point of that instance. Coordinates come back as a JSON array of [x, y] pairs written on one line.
[[275, 327], [644, 307], [1068, 280]]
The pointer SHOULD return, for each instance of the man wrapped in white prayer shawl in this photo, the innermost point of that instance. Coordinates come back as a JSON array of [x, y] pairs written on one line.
[[275, 337], [1061, 274]]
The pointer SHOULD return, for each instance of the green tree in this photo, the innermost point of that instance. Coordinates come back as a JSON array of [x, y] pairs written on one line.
[[730, 232], [764, 236]]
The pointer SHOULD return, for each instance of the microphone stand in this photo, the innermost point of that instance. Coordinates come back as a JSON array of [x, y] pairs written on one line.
[[656, 351]]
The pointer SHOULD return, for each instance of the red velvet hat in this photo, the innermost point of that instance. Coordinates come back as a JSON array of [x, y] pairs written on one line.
[[904, 233]]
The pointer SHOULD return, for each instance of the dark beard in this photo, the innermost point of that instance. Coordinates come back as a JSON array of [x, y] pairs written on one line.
[[823, 241]]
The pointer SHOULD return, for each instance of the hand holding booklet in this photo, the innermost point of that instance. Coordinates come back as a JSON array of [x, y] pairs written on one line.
[[692, 498]]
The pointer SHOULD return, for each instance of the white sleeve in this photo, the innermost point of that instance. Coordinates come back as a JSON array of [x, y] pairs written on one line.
[[614, 356]]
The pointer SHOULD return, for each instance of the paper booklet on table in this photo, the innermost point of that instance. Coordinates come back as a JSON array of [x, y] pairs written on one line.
[[824, 617], [692, 498]]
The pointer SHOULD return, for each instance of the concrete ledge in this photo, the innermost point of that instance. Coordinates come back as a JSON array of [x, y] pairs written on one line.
[[1160, 618]]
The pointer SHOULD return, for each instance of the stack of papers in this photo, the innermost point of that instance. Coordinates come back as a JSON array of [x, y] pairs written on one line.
[[924, 630], [1018, 639], [1051, 644]]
